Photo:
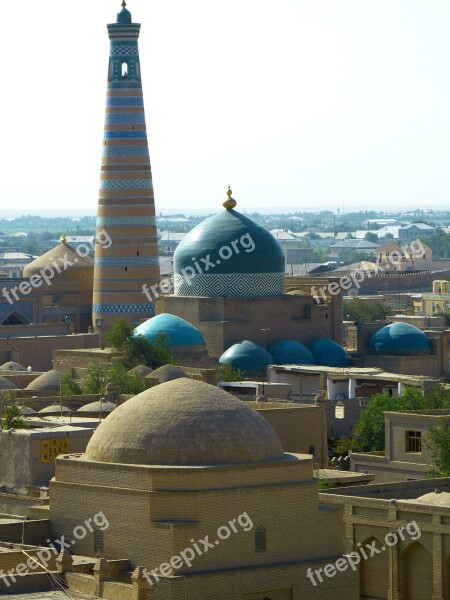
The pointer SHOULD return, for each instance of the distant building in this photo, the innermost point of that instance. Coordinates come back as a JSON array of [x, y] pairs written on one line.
[[353, 244], [168, 242], [437, 301], [414, 231], [285, 236], [16, 257]]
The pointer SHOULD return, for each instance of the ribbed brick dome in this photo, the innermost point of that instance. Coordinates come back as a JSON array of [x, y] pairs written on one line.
[[184, 422]]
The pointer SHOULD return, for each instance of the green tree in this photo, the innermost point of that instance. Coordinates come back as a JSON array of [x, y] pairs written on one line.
[[370, 428], [346, 445], [438, 442], [125, 382], [361, 310], [98, 376], [371, 237], [134, 350], [226, 372], [69, 387], [96, 379]]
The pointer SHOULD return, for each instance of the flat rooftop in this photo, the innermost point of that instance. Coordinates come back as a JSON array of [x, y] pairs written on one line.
[[344, 373]]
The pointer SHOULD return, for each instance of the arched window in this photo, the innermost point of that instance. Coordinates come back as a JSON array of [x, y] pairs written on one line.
[[124, 70], [312, 450], [260, 539]]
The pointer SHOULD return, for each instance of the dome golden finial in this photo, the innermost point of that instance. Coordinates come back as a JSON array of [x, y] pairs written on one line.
[[63, 239], [229, 202], [123, 3]]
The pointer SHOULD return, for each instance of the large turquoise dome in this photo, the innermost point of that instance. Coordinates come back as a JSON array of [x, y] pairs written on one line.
[[328, 353], [291, 352], [400, 338], [247, 356], [178, 331], [229, 255]]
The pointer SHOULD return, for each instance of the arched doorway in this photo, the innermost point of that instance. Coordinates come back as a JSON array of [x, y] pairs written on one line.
[[15, 318], [374, 571], [416, 573]]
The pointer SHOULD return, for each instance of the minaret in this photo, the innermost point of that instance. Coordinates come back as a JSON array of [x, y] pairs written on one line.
[[126, 209]]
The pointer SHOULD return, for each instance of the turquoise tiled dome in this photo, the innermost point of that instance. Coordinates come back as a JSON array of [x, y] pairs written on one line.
[[399, 338], [247, 356], [178, 331], [291, 352], [229, 255], [328, 353]]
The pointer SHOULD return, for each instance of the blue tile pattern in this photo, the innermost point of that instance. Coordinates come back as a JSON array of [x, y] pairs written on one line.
[[123, 51], [125, 101], [234, 285], [125, 221], [124, 118], [125, 184], [123, 308], [125, 151], [126, 261], [116, 135]]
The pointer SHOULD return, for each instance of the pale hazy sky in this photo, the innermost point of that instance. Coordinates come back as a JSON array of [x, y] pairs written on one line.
[[305, 104]]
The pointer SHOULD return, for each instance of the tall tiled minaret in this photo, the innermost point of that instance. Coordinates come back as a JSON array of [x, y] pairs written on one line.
[[126, 209]]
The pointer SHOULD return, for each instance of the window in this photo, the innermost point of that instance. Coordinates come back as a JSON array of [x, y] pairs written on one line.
[[312, 450], [260, 539], [99, 540], [339, 410], [414, 441]]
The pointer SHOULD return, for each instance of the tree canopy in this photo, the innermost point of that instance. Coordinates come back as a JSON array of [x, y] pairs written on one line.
[[370, 429], [361, 310], [134, 350]]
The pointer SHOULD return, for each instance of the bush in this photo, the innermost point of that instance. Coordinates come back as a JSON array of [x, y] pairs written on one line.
[[226, 372], [12, 417], [69, 387]]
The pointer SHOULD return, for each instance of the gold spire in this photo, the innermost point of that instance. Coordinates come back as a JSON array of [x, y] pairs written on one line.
[[123, 3], [63, 239], [229, 202]]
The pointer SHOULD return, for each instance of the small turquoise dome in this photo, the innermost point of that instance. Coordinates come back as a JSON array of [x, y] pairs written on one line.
[[178, 331], [229, 255], [290, 352], [247, 356], [124, 16], [328, 353], [400, 338]]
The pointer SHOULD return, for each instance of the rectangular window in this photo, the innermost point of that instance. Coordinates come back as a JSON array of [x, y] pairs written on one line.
[[414, 441]]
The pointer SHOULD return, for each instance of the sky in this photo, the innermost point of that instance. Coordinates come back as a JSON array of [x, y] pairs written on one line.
[[298, 104]]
